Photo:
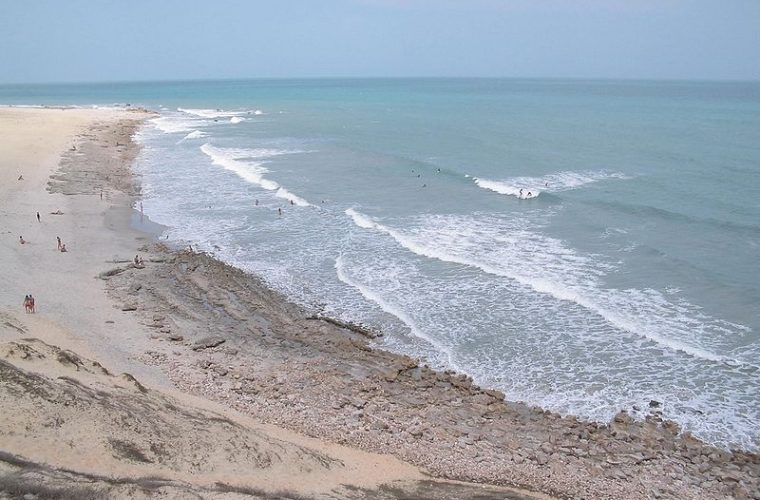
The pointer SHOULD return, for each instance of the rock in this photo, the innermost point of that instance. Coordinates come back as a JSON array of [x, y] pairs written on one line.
[[129, 307], [495, 394], [207, 343], [541, 458], [174, 337], [671, 427], [623, 418], [111, 272], [654, 404]]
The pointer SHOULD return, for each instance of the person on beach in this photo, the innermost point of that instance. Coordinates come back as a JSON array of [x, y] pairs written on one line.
[[21, 240], [38, 217], [21, 177], [29, 304], [57, 212], [59, 241], [63, 247]]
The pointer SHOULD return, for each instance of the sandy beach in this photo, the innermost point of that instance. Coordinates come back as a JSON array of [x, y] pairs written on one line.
[[186, 377]]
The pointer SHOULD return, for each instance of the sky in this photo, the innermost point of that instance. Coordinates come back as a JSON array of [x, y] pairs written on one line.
[[110, 40]]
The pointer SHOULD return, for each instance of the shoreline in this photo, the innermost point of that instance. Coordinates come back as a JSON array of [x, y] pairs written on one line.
[[219, 333], [83, 416]]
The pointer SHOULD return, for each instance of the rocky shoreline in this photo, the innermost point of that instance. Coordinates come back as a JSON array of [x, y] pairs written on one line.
[[223, 334]]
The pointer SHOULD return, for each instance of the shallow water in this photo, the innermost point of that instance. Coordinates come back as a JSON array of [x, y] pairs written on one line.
[[629, 273]]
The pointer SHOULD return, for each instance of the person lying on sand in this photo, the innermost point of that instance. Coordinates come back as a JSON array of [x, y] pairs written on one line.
[[21, 177], [57, 212]]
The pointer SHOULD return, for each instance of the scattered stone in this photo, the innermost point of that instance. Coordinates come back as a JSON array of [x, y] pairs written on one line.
[[208, 342]]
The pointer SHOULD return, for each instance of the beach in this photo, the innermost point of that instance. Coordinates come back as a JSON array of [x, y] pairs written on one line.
[[195, 375]]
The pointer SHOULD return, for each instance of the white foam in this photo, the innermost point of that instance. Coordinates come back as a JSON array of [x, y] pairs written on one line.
[[258, 112], [505, 188], [175, 125], [211, 113], [392, 309], [547, 266], [552, 183], [195, 134], [243, 163], [236, 119]]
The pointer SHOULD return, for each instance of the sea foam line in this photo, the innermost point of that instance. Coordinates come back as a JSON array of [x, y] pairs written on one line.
[[550, 183], [251, 171], [391, 309], [541, 285]]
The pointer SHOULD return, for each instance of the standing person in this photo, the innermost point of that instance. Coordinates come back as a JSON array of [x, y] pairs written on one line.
[[38, 217], [21, 240], [26, 304], [279, 211], [31, 303], [59, 242]]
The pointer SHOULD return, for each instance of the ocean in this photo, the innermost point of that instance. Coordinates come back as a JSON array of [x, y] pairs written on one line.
[[585, 246]]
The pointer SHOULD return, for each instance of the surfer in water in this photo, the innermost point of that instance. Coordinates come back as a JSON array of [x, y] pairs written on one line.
[[521, 192]]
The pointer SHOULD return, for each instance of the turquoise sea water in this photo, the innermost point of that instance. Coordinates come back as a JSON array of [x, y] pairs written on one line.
[[629, 274]]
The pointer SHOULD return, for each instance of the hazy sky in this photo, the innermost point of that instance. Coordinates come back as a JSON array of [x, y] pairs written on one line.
[[96, 40]]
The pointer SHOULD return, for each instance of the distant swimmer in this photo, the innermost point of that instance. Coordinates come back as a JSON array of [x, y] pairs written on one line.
[[256, 202], [418, 175], [279, 211], [521, 191], [438, 170], [291, 202], [424, 185], [530, 194]]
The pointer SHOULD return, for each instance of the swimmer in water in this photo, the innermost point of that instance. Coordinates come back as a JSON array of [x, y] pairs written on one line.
[[521, 192], [279, 211], [530, 194]]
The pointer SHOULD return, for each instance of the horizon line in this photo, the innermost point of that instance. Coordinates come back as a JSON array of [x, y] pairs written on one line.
[[328, 78]]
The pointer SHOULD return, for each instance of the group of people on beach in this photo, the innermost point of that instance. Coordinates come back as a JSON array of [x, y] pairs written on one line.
[[29, 304]]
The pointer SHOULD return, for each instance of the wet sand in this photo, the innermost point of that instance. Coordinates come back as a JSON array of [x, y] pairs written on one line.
[[199, 333]]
